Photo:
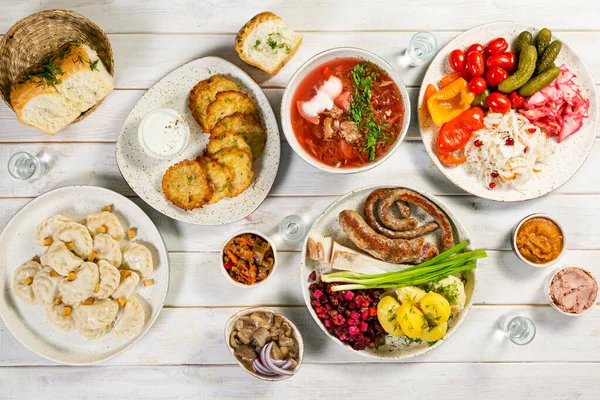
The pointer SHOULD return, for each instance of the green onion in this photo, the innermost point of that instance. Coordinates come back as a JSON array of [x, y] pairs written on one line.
[[447, 263]]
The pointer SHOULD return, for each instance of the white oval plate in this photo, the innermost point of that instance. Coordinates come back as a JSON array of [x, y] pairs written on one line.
[[328, 225], [27, 322], [570, 154], [144, 174]]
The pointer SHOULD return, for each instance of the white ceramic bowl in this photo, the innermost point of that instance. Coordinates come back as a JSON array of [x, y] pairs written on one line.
[[298, 336], [551, 302], [310, 65], [229, 278], [513, 240], [150, 124]]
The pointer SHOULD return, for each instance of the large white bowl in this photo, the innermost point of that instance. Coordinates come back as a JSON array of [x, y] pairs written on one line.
[[310, 65], [328, 225]]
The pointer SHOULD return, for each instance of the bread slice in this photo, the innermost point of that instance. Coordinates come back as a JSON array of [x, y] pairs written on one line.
[[267, 42], [51, 95]]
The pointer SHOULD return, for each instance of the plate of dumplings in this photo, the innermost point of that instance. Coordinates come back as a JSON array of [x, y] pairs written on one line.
[[84, 272]]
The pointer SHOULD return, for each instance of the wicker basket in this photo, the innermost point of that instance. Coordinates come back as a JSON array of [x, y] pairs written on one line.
[[34, 37]]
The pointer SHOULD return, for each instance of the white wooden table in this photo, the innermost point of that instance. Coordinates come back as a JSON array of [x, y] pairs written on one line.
[[184, 355]]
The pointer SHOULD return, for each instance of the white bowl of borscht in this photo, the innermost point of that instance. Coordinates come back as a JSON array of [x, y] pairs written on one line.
[[345, 110]]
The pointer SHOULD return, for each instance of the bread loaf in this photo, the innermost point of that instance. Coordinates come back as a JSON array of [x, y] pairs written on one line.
[[267, 42], [50, 95]]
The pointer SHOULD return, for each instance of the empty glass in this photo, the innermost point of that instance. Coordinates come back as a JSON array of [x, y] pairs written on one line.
[[520, 330], [25, 166], [292, 229]]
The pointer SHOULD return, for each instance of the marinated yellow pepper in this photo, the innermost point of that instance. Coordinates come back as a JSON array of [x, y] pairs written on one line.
[[450, 101]]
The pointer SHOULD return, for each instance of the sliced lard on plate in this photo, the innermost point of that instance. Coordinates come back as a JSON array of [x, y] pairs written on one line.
[[347, 259], [319, 248]]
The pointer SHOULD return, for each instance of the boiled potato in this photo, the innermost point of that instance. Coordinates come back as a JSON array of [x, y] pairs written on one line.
[[435, 307], [387, 314], [453, 289], [412, 320], [435, 333], [410, 294]]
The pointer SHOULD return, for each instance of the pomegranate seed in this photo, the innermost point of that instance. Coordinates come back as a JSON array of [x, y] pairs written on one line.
[[478, 143], [495, 174], [509, 141], [492, 185], [525, 150], [531, 130]]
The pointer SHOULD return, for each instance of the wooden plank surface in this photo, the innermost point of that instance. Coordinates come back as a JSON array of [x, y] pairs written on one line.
[[442, 381], [195, 336]]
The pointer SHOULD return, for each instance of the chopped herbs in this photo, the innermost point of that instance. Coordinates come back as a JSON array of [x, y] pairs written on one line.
[[93, 64], [256, 44], [46, 74], [274, 44]]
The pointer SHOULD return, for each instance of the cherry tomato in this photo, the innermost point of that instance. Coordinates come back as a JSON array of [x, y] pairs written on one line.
[[457, 60], [513, 61], [496, 46], [495, 75], [516, 100], [498, 102], [477, 85], [475, 47], [504, 61], [475, 64]]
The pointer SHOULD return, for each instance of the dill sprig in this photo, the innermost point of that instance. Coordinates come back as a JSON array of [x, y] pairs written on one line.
[[46, 74]]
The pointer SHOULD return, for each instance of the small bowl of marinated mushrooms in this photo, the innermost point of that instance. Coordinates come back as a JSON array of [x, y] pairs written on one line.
[[265, 343]]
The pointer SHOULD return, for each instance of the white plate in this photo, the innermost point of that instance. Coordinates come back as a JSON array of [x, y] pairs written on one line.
[[17, 245], [328, 225], [570, 154], [144, 174]]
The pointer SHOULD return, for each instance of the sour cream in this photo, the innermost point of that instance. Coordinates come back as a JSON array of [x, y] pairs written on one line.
[[323, 100], [163, 133]]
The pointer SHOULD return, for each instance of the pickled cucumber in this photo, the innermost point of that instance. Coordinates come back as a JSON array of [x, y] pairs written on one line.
[[546, 61], [542, 40], [539, 81], [480, 99], [524, 38], [527, 62]]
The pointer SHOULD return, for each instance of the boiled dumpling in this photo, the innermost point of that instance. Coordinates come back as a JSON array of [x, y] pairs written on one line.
[[45, 285], [55, 315], [60, 259], [82, 287], [96, 315], [78, 235], [48, 226], [107, 248], [23, 281], [108, 220], [137, 257], [109, 279], [131, 321], [91, 334], [128, 284]]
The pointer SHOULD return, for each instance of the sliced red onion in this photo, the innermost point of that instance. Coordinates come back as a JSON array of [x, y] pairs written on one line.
[[268, 361], [287, 364], [261, 369], [279, 363]]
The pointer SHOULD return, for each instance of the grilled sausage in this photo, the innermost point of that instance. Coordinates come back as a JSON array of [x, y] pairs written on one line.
[[396, 251], [398, 224]]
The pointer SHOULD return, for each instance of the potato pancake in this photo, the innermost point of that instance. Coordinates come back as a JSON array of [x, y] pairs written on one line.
[[219, 177], [240, 164], [185, 185], [228, 103], [224, 141], [204, 93], [247, 125]]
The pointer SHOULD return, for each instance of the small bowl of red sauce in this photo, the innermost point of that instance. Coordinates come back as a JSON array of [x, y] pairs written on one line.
[[345, 110], [539, 240], [248, 259]]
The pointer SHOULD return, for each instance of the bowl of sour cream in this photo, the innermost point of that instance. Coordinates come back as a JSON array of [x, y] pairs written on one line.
[[163, 133]]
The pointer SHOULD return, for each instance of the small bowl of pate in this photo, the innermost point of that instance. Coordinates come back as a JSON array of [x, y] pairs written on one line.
[[572, 291], [163, 133]]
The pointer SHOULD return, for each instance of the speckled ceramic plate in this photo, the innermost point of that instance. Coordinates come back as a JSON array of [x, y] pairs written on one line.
[[328, 225], [569, 155], [144, 174], [27, 322]]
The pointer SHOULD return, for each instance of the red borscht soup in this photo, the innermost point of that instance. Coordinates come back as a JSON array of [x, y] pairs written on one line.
[[347, 113]]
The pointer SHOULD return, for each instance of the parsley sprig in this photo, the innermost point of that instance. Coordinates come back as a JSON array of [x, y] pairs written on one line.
[[361, 109]]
